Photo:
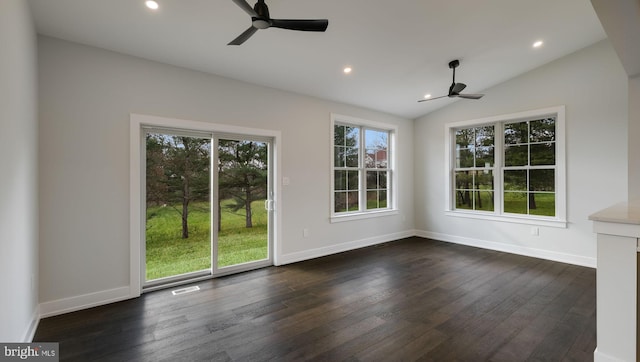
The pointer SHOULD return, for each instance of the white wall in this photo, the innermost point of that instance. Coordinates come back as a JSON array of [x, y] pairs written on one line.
[[18, 180], [621, 20], [634, 134], [86, 95], [592, 84]]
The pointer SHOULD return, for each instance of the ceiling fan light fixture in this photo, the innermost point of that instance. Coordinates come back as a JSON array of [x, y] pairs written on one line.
[[151, 4], [427, 96], [261, 24]]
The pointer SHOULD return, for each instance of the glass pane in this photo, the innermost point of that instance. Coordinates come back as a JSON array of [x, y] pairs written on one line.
[[515, 202], [339, 157], [484, 180], [178, 207], [542, 180], [351, 155], [543, 130], [464, 199], [376, 146], [516, 155], [340, 200], [372, 180], [346, 136], [484, 136], [339, 135], [382, 179], [465, 138], [382, 199], [372, 199], [516, 133], [464, 157], [376, 158], [340, 180], [515, 180], [352, 137], [543, 204], [242, 190], [484, 156], [370, 159], [352, 201], [464, 180], [484, 200], [352, 180], [382, 159], [543, 154]]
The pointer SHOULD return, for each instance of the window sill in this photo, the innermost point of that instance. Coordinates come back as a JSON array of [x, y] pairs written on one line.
[[528, 220], [362, 215]]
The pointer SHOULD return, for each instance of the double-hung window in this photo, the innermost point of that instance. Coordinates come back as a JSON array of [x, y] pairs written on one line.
[[474, 168], [508, 168], [362, 168]]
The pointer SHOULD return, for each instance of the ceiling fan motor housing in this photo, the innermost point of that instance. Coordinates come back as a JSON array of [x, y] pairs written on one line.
[[262, 20]]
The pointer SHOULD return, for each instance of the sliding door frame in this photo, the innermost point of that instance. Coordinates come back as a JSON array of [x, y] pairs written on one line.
[[138, 125]]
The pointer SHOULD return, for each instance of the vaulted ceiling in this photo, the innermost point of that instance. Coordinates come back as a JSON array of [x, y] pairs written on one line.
[[398, 50]]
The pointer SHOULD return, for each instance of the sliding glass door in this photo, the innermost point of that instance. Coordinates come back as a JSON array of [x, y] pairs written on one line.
[[207, 205]]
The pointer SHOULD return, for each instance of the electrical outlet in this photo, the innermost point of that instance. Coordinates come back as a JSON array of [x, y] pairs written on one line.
[[535, 231], [305, 232]]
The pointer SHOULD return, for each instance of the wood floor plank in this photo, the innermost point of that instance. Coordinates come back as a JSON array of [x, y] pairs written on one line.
[[408, 300]]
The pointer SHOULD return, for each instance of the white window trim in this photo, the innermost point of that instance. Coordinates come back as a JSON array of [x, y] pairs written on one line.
[[560, 220], [391, 183]]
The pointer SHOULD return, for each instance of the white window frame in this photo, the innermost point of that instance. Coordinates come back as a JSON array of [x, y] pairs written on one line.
[[392, 180], [560, 218]]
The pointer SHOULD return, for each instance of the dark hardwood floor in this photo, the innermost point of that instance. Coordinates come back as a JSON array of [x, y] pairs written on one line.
[[414, 299]]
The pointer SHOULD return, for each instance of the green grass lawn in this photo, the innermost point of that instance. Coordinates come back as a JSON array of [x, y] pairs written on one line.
[[168, 254], [515, 202]]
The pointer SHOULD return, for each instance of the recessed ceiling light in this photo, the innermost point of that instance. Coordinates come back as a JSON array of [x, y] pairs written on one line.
[[153, 5], [427, 96], [347, 70], [538, 44]]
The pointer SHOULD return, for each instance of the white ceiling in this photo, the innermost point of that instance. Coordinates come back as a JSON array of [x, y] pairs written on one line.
[[399, 50]]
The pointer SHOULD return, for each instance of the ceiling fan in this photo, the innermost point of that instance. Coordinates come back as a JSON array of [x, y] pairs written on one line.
[[260, 19], [456, 88]]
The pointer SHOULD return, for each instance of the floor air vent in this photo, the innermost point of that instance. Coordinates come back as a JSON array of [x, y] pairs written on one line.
[[185, 290]]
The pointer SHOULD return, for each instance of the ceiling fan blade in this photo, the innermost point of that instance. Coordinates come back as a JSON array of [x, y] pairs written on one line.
[[471, 96], [246, 7], [244, 36], [430, 99], [302, 25], [458, 87]]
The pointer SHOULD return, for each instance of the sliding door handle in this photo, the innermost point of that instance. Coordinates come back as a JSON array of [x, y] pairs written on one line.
[[268, 205]]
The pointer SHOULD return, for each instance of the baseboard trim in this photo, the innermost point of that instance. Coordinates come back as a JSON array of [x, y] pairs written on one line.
[[72, 304], [339, 248], [33, 326], [513, 249], [601, 357]]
